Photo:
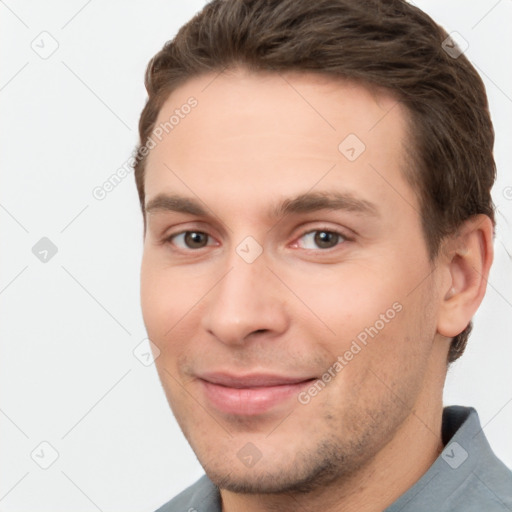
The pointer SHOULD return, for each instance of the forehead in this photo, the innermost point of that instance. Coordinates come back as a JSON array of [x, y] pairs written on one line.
[[268, 133]]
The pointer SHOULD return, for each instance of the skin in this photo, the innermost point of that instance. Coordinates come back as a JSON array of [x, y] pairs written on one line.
[[252, 142]]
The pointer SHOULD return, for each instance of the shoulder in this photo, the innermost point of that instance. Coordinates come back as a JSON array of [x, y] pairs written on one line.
[[202, 495], [487, 488], [489, 484]]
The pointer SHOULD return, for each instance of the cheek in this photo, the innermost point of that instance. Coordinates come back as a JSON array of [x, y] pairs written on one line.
[[152, 297], [367, 315], [164, 312], [163, 298], [170, 301], [349, 298]]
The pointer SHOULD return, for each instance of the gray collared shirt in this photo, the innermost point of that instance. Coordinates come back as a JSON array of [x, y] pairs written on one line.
[[466, 477]]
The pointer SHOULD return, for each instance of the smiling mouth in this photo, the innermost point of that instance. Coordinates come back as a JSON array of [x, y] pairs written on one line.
[[250, 395]]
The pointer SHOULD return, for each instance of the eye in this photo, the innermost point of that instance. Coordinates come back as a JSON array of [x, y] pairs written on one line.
[[191, 240], [320, 239]]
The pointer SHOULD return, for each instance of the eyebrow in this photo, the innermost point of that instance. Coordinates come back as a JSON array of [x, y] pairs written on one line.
[[174, 203], [304, 203], [315, 201]]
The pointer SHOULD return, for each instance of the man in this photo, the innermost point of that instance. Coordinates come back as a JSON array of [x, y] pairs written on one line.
[[315, 182]]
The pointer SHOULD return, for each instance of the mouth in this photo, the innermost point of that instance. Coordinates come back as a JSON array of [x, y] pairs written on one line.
[[250, 395]]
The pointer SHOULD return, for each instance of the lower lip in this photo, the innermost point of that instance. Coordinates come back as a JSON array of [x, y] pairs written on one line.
[[250, 401]]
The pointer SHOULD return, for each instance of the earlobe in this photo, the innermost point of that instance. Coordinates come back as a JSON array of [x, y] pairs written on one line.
[[468, 261]]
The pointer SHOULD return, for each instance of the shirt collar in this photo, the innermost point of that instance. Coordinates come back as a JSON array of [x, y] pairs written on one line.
[[465, 448]]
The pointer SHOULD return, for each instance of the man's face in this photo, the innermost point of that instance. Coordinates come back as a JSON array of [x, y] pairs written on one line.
[[285, 278]]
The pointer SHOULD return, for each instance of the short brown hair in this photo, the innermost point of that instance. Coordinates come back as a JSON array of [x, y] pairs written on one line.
[[388, 43]]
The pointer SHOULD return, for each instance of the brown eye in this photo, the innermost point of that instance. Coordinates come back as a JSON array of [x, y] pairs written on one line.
[[326, 239], [321, 239], [191, 240], [196, 239]]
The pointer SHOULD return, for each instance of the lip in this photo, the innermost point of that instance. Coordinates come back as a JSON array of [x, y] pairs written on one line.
[[250, 395]]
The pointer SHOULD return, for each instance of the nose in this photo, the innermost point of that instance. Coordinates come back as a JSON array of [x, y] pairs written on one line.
[[246, 303]]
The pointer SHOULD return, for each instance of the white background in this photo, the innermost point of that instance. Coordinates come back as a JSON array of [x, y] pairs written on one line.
[[69, 326]]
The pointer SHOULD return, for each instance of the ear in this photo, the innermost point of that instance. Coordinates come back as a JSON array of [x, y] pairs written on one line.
[[466, 260]]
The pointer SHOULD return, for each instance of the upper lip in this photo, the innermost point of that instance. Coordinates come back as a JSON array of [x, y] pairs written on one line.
[[250, 380]]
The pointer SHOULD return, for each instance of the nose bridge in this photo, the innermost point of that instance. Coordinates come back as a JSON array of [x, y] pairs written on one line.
[[247, 264], [244, 301]]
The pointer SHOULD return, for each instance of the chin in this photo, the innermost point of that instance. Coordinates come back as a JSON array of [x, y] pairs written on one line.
[[263, 483], [302, 475]]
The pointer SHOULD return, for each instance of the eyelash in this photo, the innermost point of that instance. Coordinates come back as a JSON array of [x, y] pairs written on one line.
[[345, 238]]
